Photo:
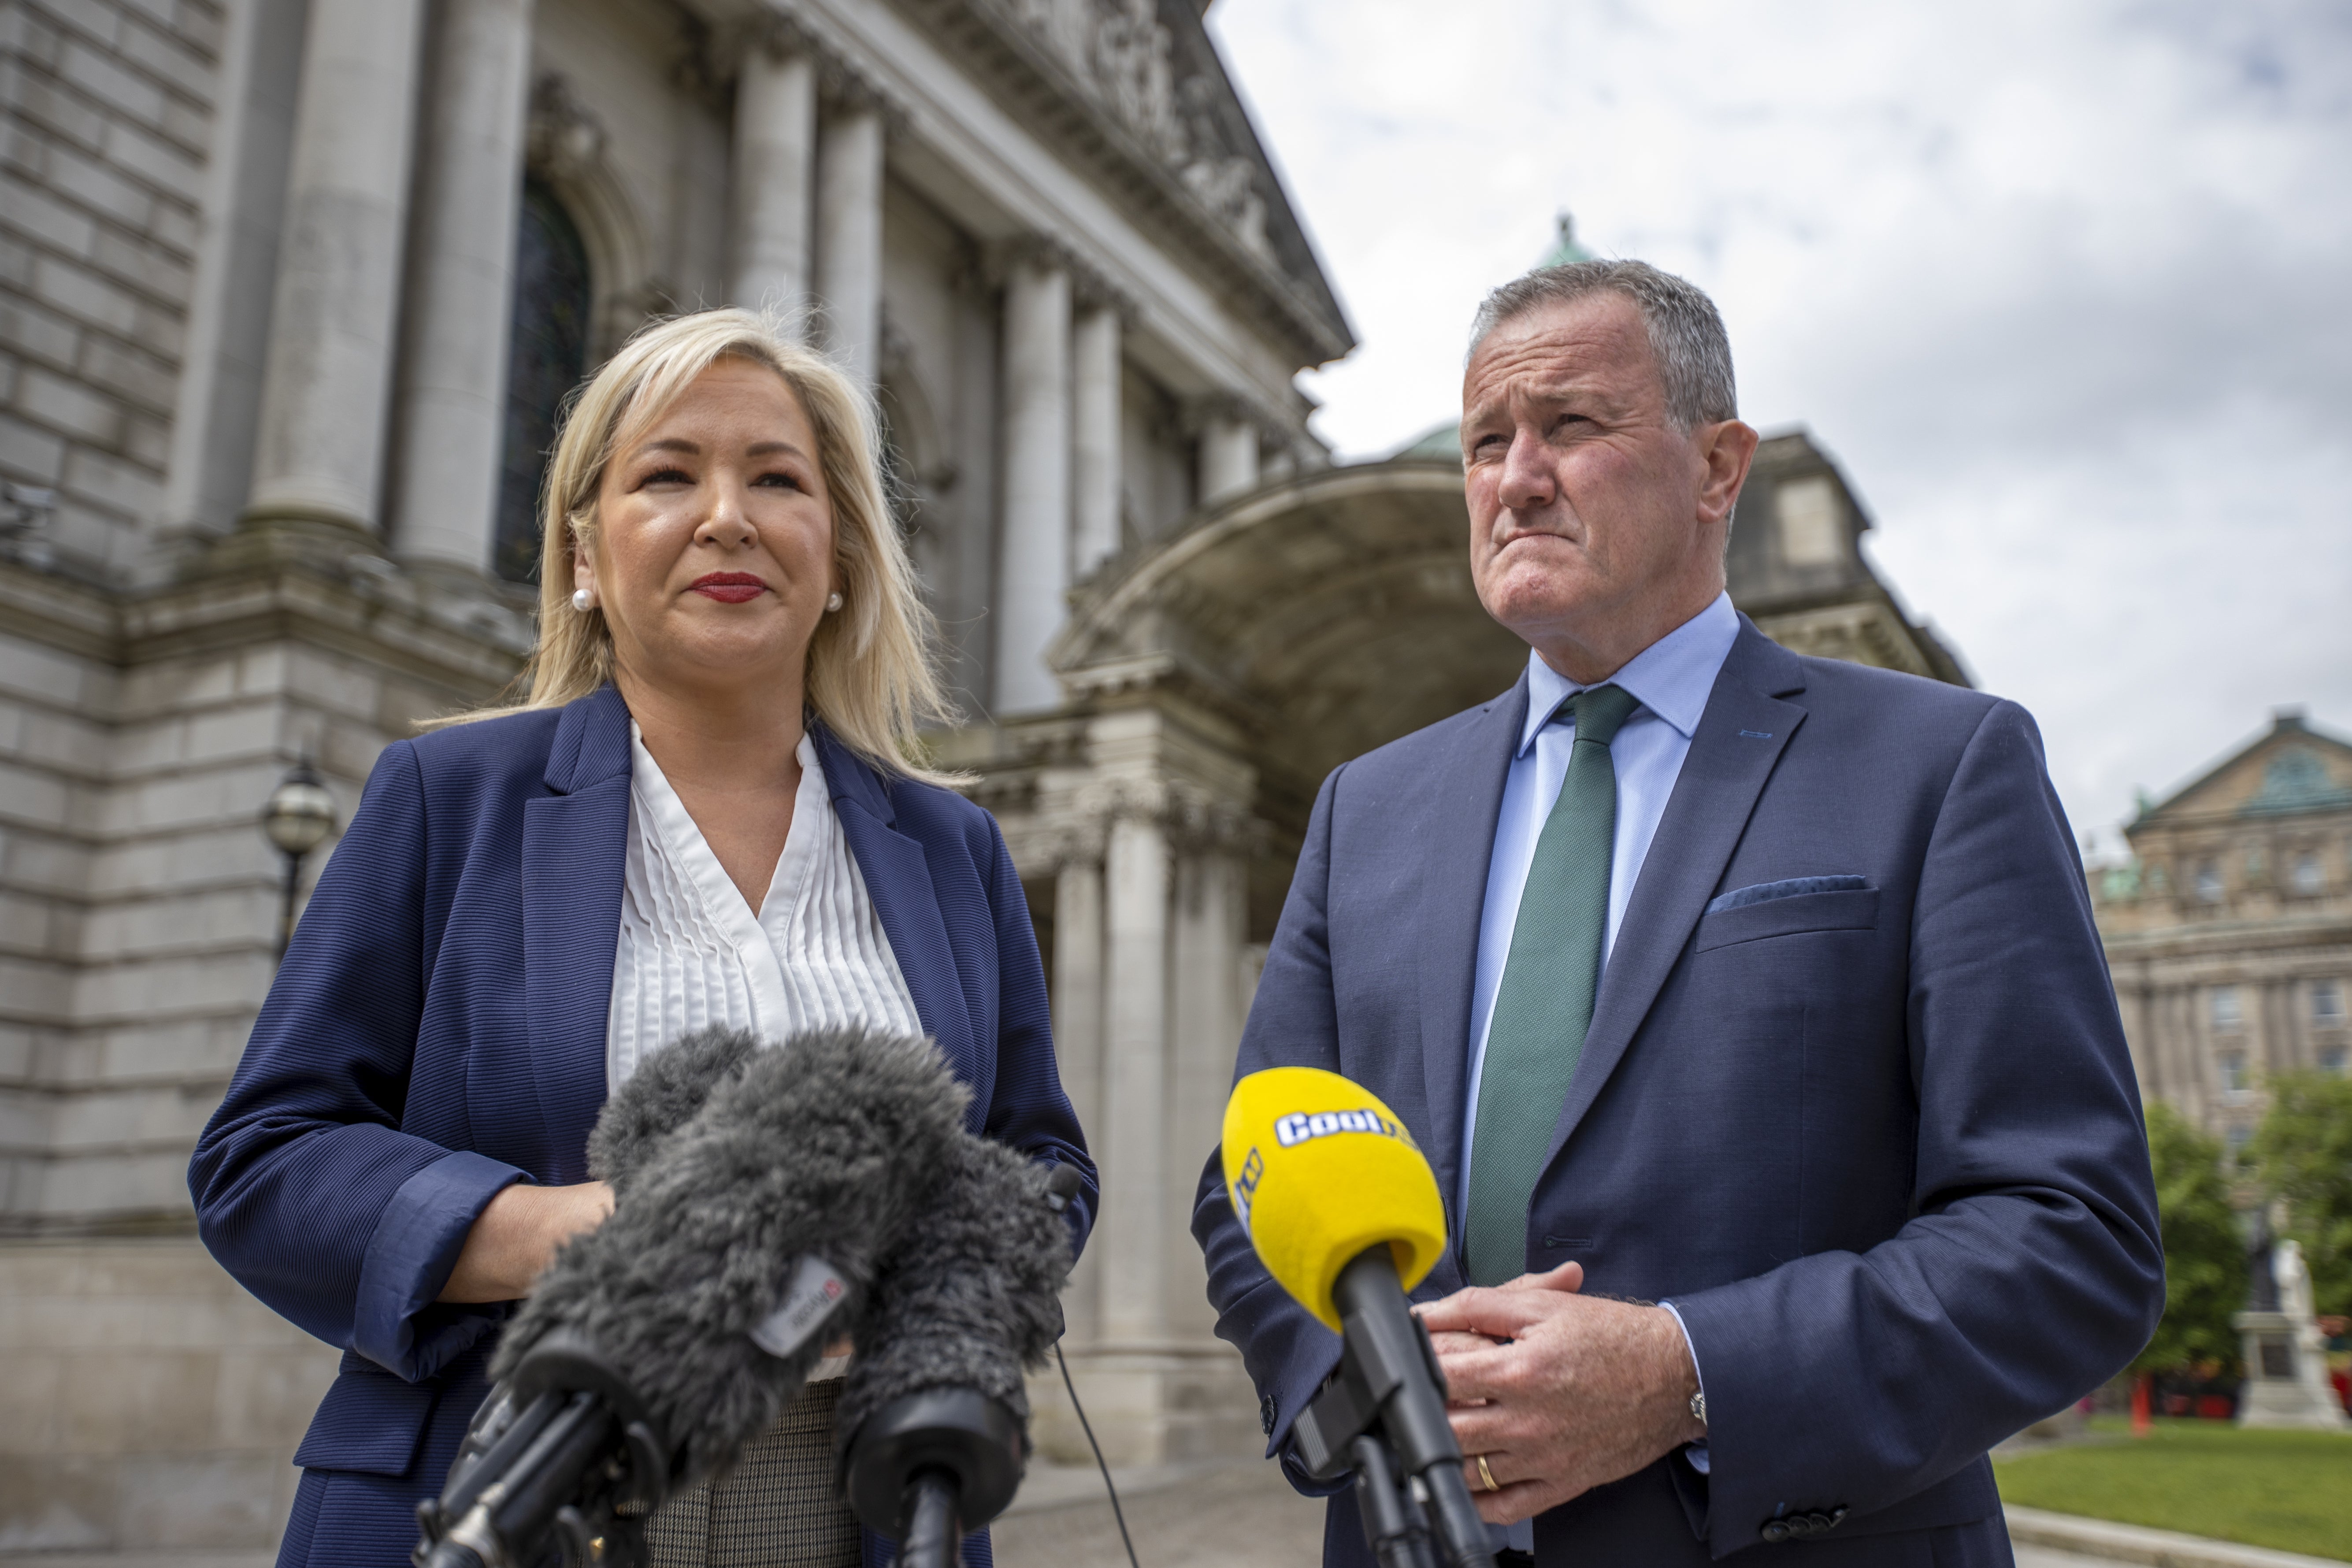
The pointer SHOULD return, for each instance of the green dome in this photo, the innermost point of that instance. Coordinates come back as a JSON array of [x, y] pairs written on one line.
[[1565, 251], [1440, 444]]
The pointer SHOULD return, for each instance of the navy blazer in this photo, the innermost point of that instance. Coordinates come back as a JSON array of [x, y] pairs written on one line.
[[438, 1031], [1855, 1096]]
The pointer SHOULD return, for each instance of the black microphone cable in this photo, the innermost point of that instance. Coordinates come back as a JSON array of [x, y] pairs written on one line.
[[1087, 1427], [1060, 1187]]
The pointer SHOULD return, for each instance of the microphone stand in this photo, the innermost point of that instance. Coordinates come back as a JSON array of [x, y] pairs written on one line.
[[563, 1456], [1382, 1414]]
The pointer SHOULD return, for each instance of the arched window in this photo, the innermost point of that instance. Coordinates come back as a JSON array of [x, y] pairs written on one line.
[[547, 354]]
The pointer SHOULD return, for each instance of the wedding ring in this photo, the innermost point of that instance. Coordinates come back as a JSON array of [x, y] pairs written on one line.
[[1486, 1475]]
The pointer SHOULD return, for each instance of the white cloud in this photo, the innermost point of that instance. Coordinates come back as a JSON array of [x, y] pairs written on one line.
[[2063, 288]]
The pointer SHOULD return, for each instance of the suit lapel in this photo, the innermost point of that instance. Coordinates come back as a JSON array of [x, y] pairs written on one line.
[[1461, 811], [897, 876], [574, 858], [1740, 738]]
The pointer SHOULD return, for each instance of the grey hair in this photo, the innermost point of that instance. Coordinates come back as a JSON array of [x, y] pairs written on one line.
[[1687, 334]]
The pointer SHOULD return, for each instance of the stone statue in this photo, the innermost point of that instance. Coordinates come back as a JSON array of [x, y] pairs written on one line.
[[2293, 1279], [2286, 1360]]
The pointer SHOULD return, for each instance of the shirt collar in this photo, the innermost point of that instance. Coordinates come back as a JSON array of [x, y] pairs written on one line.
[[1671, 677]]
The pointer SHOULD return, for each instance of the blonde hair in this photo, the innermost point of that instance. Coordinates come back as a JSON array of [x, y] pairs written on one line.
[[869, 675]]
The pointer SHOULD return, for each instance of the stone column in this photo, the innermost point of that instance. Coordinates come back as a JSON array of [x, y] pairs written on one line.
[[1078, 1043], [1033, 571], [1228, 454], [453, 381], [1094, 436], [320, 453], [1204, 1028], [775, 150], [209, 475], [1133, 1147], [849, 236]]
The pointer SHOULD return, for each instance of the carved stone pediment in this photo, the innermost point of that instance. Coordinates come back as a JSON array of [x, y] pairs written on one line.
[[1120, 54]]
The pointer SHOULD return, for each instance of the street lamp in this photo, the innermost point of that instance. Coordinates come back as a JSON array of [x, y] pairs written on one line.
[[298, 818]]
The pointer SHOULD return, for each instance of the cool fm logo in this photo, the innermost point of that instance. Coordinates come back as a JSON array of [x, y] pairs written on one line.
[[1302, 1126]]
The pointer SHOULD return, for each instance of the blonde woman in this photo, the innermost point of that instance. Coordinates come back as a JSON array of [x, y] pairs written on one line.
[[706, 811]]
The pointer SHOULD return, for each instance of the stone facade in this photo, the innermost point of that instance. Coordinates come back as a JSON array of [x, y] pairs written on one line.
[[264, 266], [158, 1401], [147, 1405], [2230, 931]]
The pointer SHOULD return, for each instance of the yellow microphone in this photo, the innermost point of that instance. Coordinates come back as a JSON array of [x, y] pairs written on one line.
[[1343, 1211], [1320, 1169]]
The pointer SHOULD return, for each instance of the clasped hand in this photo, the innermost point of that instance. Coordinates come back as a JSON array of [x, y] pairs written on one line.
[[1559, 1391]]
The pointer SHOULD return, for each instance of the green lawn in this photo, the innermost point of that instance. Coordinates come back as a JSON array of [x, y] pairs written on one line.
[[2288, 1491]]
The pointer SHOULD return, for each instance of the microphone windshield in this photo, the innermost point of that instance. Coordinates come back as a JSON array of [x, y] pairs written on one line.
[[1320, 1169]]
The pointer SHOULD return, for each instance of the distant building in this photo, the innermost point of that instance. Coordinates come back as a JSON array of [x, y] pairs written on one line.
[[2230, 933]]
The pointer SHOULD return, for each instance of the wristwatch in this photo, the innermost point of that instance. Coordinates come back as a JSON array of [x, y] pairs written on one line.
[[1698, 1407]]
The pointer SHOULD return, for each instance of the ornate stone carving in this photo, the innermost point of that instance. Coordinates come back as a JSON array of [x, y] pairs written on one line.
[[1065, 26], [1119, 54], [1218, 174], [1046, 252], [1228, 187], [1092, 292], [715, 58], [1132, 73], [1192, 816], [565, 139]]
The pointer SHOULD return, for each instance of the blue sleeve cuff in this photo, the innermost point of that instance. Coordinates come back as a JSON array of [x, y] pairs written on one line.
[[1294, 1472], [399, 1325], [1695, 1452]]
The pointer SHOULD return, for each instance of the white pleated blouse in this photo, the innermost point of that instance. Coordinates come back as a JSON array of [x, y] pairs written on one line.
[[692, 954]]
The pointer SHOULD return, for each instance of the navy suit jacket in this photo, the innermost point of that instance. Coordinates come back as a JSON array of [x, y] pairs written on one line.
[[1880, 1141], [438, 1031]]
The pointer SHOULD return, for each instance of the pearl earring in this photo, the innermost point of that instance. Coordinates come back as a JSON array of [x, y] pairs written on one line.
[[583, 600], [832, 602]]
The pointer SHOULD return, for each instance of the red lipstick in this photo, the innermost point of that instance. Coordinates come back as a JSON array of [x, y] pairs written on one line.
[[728, 588]]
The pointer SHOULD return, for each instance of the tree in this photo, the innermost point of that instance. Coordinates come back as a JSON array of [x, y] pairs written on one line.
[[2304, 1153], [2204, 1256]]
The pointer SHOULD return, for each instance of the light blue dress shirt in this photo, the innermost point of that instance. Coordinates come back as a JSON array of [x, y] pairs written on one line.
[[1672, 679]]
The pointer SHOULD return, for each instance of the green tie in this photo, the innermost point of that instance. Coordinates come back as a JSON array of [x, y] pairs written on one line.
[[1544, 1005]]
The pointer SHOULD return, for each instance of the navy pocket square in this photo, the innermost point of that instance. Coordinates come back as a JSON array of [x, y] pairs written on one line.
[[1765, 893]]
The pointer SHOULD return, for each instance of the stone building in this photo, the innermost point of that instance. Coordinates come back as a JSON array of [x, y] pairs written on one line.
[[291, 292], [2230, 931]]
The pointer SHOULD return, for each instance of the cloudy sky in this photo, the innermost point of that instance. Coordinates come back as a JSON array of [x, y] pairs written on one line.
[[2067, 289]]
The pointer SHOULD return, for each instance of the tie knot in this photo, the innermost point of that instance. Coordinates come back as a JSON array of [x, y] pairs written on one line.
[[1601, 711]]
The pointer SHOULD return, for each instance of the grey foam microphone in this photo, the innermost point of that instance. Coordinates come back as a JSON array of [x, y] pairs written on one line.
[[744, 1234], [821, 1147], [666, 1092], [932, 1430]]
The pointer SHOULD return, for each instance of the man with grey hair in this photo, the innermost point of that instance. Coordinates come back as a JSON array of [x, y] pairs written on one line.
[[1749, 1008]]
